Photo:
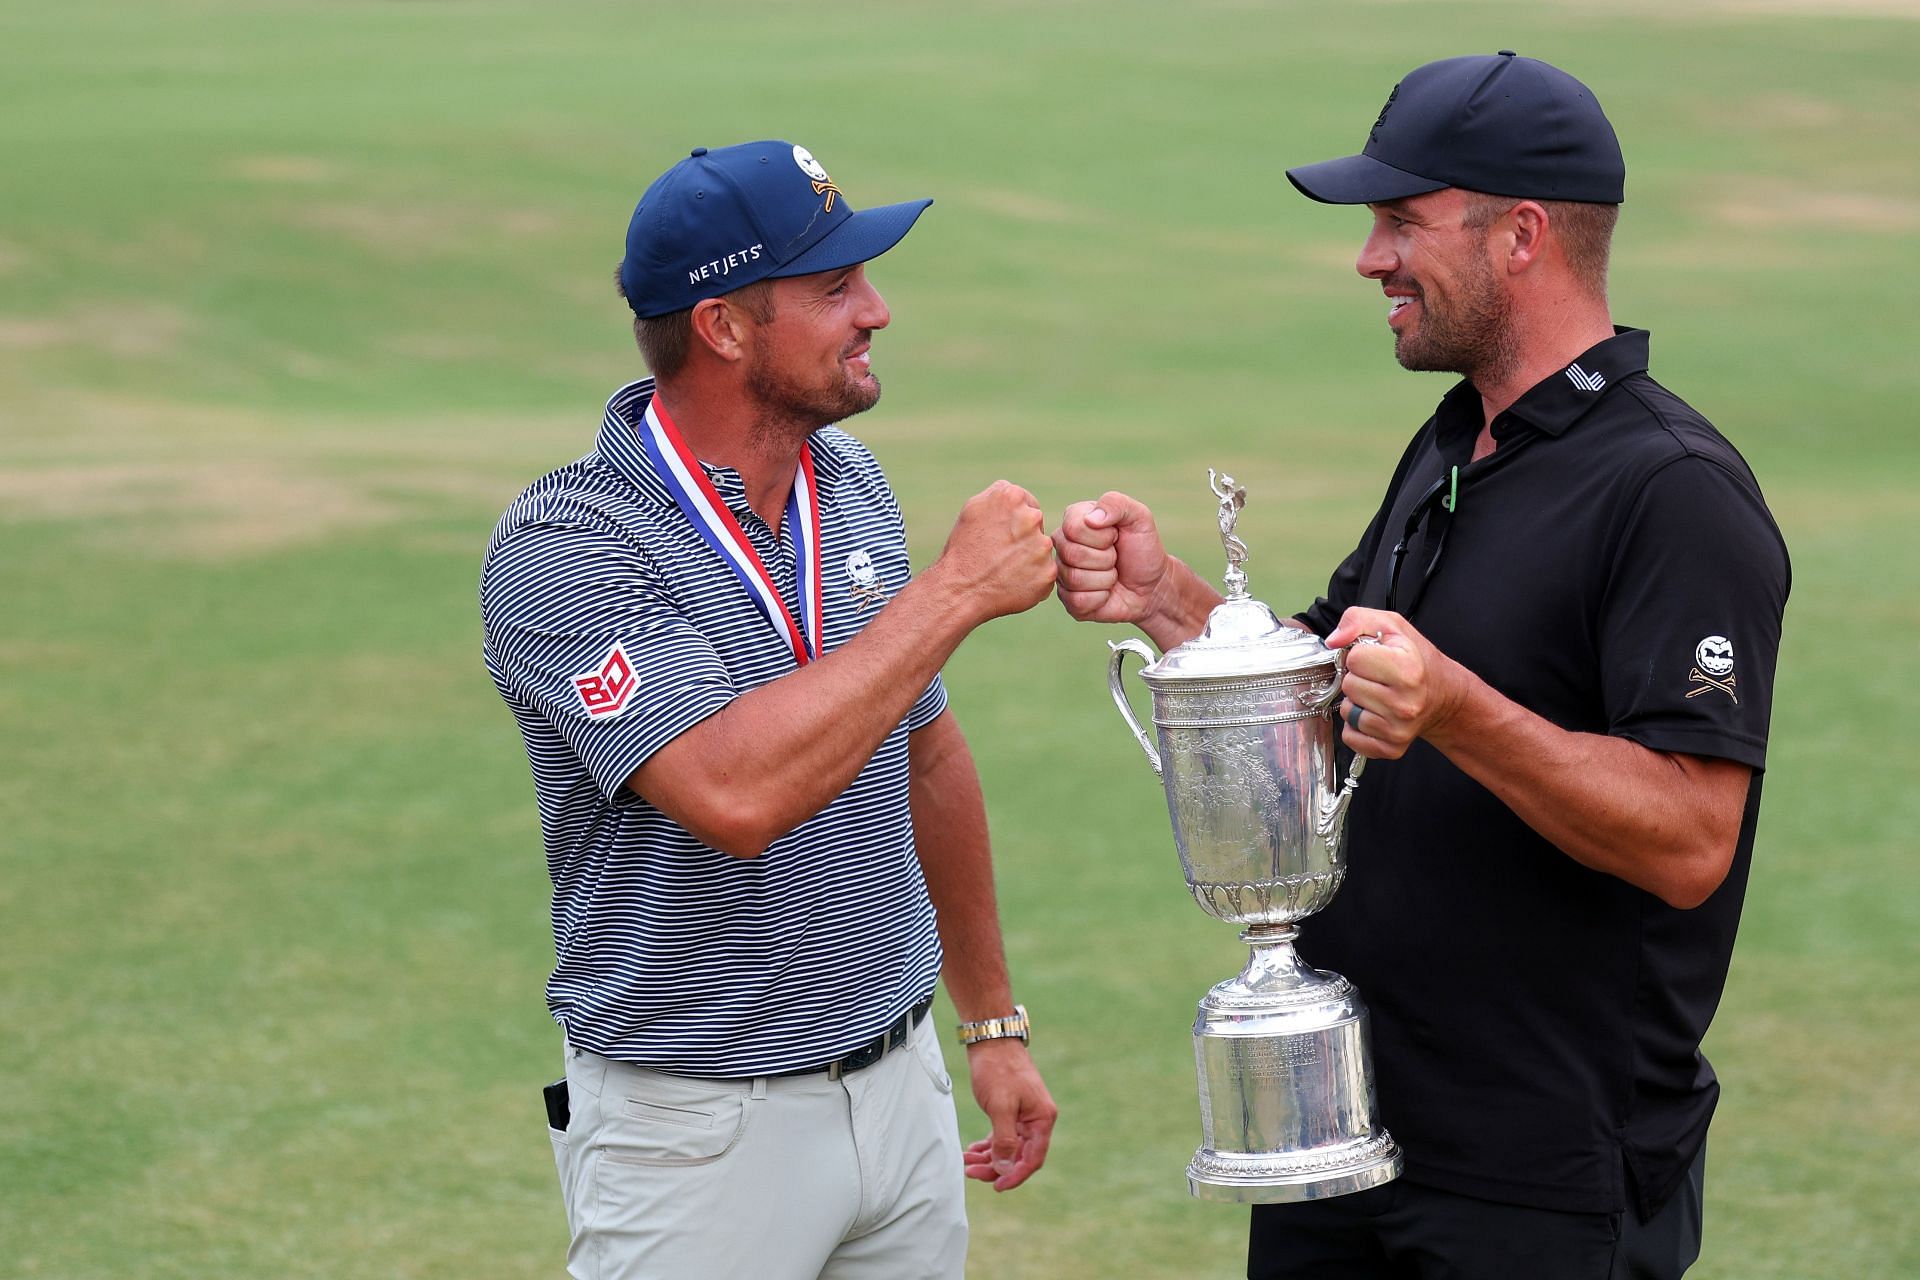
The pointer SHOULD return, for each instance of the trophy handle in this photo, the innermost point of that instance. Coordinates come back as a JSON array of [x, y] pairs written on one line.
[[1333, 811], [1121, 648], [1332, 695]]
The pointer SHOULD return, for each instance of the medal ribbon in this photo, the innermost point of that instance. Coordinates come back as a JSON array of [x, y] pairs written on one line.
[[687, 481]]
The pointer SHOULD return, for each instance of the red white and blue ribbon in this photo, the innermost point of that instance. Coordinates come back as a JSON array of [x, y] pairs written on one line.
[[684, 477]]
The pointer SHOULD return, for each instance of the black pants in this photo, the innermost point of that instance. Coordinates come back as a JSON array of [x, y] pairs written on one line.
[[1404, 1231]]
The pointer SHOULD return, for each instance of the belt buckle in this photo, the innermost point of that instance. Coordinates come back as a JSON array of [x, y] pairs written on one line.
[[877, 1048], [860, 1058]]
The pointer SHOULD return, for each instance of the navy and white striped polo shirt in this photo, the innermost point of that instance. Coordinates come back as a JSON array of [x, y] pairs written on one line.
[[670, 953]]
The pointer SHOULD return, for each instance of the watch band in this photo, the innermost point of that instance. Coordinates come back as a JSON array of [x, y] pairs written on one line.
[[1011, 1026]]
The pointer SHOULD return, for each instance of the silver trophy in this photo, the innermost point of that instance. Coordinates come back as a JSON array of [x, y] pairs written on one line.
[[1244, 714]]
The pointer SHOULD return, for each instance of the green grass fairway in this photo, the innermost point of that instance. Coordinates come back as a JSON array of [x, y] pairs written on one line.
[[294, 297]]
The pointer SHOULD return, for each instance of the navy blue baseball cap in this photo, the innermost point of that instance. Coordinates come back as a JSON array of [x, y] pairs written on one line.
[[1498, 123], [724, 219]]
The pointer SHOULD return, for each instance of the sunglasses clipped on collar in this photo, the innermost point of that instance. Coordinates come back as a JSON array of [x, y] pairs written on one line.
[[1435, 509]]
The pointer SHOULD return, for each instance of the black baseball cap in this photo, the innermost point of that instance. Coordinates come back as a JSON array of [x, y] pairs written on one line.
[[726, 218], [1498, 123]]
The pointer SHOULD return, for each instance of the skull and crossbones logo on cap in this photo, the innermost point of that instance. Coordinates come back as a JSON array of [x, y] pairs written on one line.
[[822, 184]]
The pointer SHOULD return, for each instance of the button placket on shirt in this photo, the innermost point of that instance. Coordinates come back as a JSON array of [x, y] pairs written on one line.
[[769, 544]]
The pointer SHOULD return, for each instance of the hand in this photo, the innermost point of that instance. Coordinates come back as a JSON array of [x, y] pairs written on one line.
[[1111, 561], [998, 559], [1403, 688], [1008, 1088]]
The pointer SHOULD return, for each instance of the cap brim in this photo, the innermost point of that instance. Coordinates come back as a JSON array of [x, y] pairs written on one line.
[[1358, 180], [865, 235]]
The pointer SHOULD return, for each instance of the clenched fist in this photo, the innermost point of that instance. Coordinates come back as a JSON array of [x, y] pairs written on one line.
[[1113, 568], [1111, 561], [998, 558]]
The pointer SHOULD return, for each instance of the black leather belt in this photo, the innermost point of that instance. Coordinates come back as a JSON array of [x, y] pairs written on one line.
[[873, 1050]]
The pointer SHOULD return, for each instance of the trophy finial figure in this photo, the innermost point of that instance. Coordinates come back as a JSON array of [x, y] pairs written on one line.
[[1233, 497]]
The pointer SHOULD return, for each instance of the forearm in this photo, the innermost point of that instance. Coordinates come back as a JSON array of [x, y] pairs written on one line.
[[1179, 606], [1663, 822], [776, 756], [950, 834]]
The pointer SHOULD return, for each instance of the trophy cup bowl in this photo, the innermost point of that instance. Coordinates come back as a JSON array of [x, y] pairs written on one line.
[[1245, 727]]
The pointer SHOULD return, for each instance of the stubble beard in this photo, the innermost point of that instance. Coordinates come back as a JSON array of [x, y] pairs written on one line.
[[1472, 335], [786, 409]]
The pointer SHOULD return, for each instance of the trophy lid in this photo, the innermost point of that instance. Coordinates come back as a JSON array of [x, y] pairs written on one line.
[[1243, 637]]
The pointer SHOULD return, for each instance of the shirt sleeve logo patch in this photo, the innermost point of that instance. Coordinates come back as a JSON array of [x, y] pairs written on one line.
[[606, 692], [1712, 667]]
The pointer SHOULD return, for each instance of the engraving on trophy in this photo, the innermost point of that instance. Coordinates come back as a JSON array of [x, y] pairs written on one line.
[[1230, 795], [1276, 1057]]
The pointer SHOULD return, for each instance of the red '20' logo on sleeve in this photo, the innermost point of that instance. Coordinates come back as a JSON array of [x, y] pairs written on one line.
[[605, 692]]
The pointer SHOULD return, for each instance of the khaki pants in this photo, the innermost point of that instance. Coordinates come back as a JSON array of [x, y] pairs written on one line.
[[781, 1178]]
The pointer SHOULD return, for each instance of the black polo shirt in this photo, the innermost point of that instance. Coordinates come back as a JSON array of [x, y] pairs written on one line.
[[1612, 567]]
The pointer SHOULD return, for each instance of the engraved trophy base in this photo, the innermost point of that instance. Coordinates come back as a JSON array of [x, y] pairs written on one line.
[[1286, 1083]]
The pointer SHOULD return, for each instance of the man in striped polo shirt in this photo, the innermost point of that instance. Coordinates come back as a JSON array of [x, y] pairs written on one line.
[[762, 823]]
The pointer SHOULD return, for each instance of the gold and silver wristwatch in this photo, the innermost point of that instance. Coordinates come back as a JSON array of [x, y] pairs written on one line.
[[1012, 1026]]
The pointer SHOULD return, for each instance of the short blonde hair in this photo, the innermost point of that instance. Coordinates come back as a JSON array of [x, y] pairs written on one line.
[[1585, 231]]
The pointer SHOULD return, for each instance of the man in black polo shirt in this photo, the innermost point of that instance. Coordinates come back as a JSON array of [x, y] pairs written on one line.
[[1578, 590]]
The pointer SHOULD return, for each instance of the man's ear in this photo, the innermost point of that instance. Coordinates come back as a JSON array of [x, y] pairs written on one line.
[[1528, 239], [721, 328]]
